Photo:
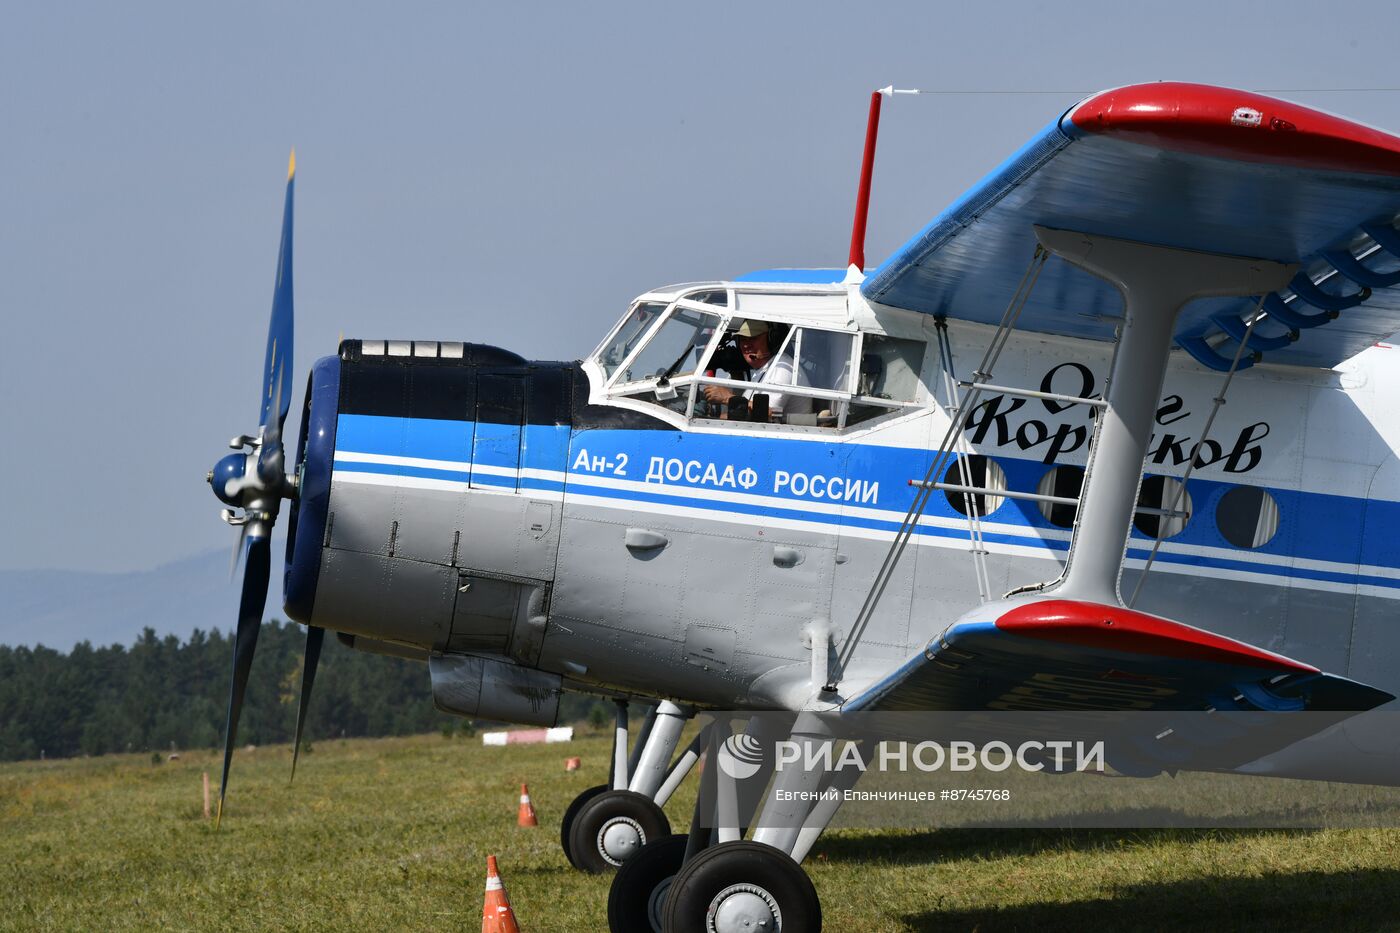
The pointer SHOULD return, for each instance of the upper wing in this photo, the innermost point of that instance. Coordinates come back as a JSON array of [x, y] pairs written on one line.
[[1192, 167]]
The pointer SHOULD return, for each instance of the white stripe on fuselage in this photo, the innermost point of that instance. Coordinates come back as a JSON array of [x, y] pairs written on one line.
[[579, 484]]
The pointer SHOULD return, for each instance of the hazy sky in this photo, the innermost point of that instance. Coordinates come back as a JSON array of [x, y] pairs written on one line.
[[507, 173]]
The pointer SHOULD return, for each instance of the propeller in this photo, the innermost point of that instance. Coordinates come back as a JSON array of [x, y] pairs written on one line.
[[314, 637], [256, 570], [253, 482]]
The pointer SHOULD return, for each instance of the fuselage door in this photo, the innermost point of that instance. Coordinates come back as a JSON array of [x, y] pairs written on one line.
[[500, 420]]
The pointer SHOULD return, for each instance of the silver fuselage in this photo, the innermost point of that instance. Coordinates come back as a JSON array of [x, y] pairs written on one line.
[[465, 502]]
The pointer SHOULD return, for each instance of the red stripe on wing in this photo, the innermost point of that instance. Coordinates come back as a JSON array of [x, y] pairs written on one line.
[[1215, 121], [1093, 625]]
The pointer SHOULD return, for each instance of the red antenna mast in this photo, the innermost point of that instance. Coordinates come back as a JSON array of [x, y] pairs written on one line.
[[856, 263]]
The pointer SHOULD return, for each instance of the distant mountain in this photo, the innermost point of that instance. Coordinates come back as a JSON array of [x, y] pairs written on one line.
[[59, 608]]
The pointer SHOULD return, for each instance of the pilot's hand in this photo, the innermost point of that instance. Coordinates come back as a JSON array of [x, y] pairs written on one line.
[[719, 394]]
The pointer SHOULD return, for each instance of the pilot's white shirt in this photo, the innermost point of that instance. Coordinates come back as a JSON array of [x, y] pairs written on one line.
[[779, 371]]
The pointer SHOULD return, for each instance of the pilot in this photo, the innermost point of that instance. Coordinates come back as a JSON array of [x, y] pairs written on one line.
[[764, 368]]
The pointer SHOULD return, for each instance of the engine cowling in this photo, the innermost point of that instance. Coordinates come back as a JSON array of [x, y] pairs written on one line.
[[416, 524]]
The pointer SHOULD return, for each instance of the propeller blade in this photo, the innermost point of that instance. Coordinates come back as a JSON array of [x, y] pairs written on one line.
[[314, 637], [279, 327], [237, 557], [250, 610], [271, 460]]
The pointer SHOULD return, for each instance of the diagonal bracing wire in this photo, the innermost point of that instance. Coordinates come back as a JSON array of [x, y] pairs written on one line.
[[955, 428], [962, 448]]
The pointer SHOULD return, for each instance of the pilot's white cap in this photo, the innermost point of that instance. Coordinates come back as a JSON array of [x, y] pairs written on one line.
[[752, 328]]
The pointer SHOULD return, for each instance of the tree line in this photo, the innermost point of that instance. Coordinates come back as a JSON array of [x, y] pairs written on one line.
[[164, 693]]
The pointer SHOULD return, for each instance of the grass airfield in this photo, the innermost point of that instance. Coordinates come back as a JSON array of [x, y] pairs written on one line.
[[393, 834]]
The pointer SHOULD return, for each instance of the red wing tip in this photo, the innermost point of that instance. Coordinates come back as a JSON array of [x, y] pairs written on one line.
[[1243, 125], [1094, 625]]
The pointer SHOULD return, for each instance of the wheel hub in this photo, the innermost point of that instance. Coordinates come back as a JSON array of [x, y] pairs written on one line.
[[743, 908], [620, 838], [656, 903]]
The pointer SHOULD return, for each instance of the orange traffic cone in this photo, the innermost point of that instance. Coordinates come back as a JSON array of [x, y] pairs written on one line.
[[527, 809], [496, 915]]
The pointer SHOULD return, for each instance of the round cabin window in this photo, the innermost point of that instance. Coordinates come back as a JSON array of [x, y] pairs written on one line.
[[977, 472], [1062, 482], [1159, 494], [1247, 517]]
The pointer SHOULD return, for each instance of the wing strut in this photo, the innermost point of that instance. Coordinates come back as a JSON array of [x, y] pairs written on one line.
[[1156, 282], [1180, 489]]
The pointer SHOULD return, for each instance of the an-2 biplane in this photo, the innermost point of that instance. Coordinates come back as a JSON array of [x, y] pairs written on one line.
[[1036, 377]]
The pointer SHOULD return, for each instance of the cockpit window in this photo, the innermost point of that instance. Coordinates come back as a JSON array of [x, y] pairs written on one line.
[[889, 368], [889, 373], [674, 350], [697, 358], [823, 359], [628, 334], [746, 376], [716, 296]]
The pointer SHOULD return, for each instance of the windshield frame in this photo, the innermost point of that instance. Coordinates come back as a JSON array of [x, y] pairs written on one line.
[[613, 385], [596, 357]]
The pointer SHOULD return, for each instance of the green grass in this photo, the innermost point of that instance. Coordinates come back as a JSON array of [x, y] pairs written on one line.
[[393, 834]]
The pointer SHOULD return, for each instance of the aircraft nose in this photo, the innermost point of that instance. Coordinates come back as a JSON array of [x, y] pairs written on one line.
[[432, 476]]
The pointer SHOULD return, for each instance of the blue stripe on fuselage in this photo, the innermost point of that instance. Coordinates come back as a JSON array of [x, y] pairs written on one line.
[[1313, 526]]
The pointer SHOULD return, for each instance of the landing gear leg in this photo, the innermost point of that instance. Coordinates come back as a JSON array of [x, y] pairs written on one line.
[[607, 825], [726, 884], [642, 887]]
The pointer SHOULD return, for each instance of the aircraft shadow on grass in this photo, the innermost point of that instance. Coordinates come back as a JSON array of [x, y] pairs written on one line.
[[943, 845], [1310, 900], [1366, 899]]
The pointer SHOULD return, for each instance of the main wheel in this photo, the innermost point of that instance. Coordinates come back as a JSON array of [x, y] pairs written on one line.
[[741, 887], [570, 814], [610, 828], [638, 893]]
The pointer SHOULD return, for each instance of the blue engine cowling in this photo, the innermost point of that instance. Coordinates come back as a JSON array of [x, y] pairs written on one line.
[[306, 527]]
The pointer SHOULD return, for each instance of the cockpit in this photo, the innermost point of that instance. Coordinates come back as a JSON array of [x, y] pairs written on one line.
[[731, 354]]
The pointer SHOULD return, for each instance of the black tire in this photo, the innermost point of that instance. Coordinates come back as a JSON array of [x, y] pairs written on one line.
[[620, 808], [570, 814], [637, 898], [774, 876]]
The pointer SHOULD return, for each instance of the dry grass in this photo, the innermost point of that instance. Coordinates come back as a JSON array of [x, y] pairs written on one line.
[[392, 834]]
